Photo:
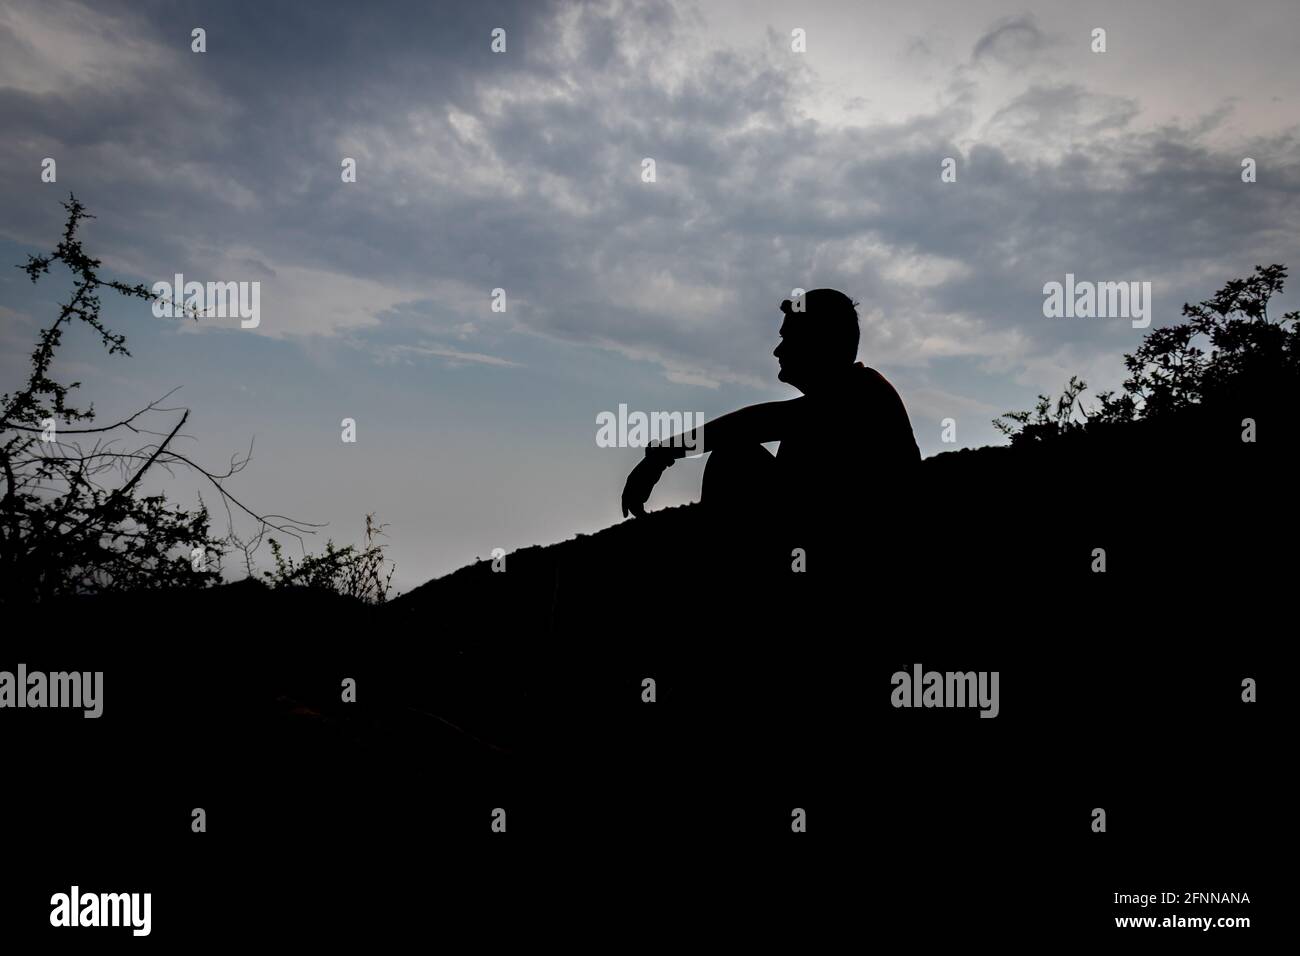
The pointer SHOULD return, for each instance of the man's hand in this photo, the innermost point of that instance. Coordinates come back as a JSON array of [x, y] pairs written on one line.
[[641, 482]]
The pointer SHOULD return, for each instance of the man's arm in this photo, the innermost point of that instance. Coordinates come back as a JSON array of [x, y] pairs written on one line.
[[751, 425]]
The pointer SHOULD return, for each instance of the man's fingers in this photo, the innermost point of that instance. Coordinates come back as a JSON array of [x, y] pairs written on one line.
[[634, 497]]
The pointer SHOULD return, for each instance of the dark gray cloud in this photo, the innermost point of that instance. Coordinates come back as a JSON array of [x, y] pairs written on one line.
[[521, 171], [1012, 41]]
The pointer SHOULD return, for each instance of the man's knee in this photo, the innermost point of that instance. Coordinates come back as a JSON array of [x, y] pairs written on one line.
[[739, 476]]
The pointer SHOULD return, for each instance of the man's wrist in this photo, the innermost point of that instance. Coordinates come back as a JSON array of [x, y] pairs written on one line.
[[660, 454]]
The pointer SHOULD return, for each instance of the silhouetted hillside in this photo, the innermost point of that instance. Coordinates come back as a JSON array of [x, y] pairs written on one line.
[[484, 668], [524, 689], [1173, 499]]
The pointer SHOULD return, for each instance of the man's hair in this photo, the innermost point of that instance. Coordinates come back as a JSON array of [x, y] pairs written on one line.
[[836, 319]]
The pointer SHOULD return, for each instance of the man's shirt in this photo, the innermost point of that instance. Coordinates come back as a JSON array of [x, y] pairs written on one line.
[[848, 451]]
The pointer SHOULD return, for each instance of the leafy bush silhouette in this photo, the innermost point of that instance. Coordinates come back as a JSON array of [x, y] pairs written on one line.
[[349, 571], [1252, 363], [63, 528]]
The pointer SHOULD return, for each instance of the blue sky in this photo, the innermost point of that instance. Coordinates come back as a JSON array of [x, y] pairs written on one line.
[[775, 169]]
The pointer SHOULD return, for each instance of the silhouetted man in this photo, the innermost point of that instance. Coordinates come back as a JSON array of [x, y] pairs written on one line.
[[847, 455]]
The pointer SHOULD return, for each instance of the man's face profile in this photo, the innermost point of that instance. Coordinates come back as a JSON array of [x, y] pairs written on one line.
[[801, 354], [787, 353], [817, 341]]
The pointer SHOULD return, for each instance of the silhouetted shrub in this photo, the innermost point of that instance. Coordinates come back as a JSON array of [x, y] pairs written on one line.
[[351, 572], [72, 519], [1252, 363]]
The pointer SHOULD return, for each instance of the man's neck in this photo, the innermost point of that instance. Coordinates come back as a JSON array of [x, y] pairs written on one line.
[[842, 377]]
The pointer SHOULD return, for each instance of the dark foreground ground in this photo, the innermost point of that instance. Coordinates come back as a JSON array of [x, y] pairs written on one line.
[[671, 821]]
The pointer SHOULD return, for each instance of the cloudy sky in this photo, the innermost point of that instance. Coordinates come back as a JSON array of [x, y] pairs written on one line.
[[522, 170]]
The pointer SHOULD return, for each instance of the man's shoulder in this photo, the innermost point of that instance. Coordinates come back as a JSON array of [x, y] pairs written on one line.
[[874, 381]]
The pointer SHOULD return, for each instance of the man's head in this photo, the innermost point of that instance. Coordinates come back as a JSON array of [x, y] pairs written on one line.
[[819, 342]]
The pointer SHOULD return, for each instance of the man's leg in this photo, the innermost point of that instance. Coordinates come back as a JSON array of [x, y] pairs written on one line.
[[743, 508], [739, 482]]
